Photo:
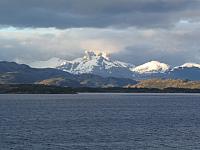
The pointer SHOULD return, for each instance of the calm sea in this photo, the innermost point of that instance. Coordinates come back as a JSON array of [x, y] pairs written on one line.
[[100, 122]]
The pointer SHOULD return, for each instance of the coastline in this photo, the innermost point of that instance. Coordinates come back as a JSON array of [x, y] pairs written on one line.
[[43, 89]]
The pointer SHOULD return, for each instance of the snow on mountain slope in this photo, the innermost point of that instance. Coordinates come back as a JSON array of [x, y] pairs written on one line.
[[151, 67], [99, 64], [190, 65], [102, 65], [189, 71]]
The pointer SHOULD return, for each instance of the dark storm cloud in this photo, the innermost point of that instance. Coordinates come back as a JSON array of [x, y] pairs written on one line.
[[135, 31], [95, 13]]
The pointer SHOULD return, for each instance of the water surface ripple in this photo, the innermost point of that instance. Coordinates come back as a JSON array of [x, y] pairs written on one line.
[[100, 122]]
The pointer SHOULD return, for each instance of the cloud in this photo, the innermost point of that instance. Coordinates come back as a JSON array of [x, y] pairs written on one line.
[[174, 45], [96, 13], [135, 31]]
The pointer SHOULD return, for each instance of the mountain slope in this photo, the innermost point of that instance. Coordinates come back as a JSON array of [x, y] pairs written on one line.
[[151, 67], [190, 65], [168, 83], [155, 69], [102, 65], [89, 80], [190, 73], [13, 73], [97, 64]]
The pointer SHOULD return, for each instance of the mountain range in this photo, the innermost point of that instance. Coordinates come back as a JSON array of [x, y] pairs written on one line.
[[13, 73], [102, 65], [93, 70]]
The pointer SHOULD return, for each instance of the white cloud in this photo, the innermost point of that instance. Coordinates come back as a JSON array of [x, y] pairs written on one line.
[[180, 43]]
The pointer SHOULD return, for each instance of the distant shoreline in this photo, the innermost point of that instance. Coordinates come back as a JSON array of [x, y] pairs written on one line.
[[43, 89], [136, 90]]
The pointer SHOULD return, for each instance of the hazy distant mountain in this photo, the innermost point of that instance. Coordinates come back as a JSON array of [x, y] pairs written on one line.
[[187, 71]]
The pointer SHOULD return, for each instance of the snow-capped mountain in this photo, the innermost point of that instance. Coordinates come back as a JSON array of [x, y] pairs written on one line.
[[151, 67], [189, 65], [155, 69], [98, 64], [102, 65], [190, 71]]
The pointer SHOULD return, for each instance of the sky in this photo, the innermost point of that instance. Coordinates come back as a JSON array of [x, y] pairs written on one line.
[[133, 31]]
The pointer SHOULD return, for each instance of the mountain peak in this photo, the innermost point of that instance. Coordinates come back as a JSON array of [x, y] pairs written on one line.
[[190, 65], [151, 67], [90, 54], [98, 63]]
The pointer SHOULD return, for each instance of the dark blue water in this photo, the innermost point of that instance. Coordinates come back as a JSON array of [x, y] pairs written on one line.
[[100, 122]]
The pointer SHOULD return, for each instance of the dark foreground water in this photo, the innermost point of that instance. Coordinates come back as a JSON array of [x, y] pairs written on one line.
[[100, 122]]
